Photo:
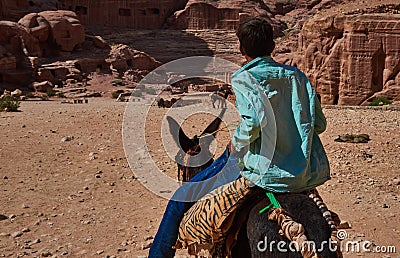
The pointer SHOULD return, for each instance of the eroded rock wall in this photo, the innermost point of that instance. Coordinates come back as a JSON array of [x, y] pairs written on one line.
[[206, 14], [350, 59], [16, 44], [15, 9], [132, 14]]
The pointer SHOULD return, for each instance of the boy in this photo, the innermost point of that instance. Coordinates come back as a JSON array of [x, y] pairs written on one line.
[[299, 161], [293, 162]]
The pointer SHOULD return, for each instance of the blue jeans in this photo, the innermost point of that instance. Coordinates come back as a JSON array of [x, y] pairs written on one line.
[[168, 231]]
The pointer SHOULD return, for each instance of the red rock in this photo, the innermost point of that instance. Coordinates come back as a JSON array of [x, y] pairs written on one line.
[[15, 44], [132, 14], [46, 75], [8, 63], [88, 65], [351, 58], [122, 57], [20, 77], [15, 9], [36, 25], [11, 34], [207, 14], [97, 41], [56, 72], [66, 30], [42, 86]]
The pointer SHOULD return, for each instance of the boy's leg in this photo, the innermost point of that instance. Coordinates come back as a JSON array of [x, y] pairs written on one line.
[[168, 230], [210, 218], [167, 233]]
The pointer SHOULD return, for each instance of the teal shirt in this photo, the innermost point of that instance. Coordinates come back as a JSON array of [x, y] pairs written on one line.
[[294, 160]]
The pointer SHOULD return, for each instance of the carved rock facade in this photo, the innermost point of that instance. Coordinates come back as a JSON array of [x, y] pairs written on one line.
[[351, 59], [132, 14], [200, 14]]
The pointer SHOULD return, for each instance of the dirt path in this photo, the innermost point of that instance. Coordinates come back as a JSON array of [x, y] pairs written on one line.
[[78, 197]]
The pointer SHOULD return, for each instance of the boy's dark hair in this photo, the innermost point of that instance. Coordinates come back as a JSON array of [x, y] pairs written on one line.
[[256, 37]]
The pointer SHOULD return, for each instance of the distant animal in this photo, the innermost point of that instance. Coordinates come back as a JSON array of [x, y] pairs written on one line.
[[353, 138], [162, 103], [220, 97], [251, 227]]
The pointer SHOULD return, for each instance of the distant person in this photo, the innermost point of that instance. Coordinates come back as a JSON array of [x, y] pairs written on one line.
[[214, 98]]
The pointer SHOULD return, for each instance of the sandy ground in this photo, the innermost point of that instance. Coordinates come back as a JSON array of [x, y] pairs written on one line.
[[79, 198]]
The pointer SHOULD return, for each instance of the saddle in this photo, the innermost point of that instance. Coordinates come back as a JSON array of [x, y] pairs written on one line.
[[207, 223], [211, 231]]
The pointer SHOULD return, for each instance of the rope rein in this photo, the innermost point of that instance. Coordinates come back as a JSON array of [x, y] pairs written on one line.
[[226, 129], [191, 152]]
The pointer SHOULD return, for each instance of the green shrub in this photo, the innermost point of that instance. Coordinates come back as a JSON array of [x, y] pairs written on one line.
[[51, 93], [61, 95], [9, 104], [118, 82], [380, 102]]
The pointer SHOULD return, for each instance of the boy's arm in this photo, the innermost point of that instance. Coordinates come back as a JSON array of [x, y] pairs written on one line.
[[249, 128], [320, 120]]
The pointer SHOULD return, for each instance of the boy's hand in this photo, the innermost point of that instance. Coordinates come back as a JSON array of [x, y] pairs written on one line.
[[231, 149]]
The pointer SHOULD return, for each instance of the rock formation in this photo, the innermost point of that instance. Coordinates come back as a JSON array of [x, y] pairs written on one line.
[[350, 59], [207, 14], [16, 44], [122, 57], [15, 9], [55, 30], [132, 14], [227, 14], [36, 35], [49, 33]]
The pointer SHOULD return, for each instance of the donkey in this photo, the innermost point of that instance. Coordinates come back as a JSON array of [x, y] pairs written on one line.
[[196, 148], [162, 103], [256, 235]]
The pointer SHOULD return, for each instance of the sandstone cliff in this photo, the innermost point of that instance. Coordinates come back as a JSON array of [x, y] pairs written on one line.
[[200, 14], [43, 47], [350, 59], [16, 44], [15, 9], [121, 13], [55, 30]]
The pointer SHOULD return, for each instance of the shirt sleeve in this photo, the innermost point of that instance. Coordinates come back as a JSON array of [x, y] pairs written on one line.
[[246, 103], [320, 120]]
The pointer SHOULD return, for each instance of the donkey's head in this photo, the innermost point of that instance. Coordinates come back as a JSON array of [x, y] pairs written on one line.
[[194, 153]]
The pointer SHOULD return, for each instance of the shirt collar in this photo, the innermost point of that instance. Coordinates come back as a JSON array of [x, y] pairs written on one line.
[[251, 63]]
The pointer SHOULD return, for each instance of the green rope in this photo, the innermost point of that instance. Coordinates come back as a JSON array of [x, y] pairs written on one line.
[[273, 203], [240, 163]]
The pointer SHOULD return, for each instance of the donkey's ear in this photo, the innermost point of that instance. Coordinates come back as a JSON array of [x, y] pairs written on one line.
[[213, 127], [179, 136]]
